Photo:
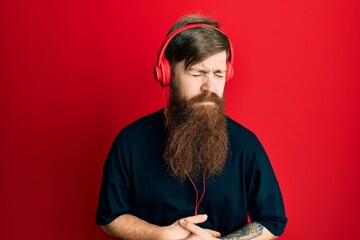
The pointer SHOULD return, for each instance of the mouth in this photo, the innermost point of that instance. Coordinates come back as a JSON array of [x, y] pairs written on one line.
[[205, 103]]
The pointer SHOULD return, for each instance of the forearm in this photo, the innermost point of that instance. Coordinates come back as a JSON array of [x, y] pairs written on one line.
[[251, 231], [130, 227]]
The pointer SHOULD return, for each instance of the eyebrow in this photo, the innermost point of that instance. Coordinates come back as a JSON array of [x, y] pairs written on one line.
[[205, 71]]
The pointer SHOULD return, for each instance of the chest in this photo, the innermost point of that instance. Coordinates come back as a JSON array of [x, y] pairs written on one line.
[[161, 199]]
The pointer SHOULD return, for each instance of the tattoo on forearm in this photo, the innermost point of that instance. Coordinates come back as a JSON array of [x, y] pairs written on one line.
[[250, 231]]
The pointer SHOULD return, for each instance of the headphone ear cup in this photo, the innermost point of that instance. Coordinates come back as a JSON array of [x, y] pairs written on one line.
[[166, 68], [229, 72], [158, 74], [162, 73]]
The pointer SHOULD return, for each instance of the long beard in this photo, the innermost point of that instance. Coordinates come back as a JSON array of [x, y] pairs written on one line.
[[197, 136]]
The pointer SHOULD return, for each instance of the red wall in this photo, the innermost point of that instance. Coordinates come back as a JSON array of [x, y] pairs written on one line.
[[73, 73]]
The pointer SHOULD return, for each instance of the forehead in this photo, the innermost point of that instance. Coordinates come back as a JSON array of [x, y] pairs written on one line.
[[216, 61]]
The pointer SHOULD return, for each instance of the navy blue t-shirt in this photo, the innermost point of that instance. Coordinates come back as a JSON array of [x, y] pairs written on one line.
[[136, 181]]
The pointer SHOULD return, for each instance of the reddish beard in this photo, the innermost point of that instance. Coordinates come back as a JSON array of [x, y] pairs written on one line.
[[197, 135]]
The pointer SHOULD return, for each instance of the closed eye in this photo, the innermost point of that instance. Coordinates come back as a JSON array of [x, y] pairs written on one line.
[[196, 75]]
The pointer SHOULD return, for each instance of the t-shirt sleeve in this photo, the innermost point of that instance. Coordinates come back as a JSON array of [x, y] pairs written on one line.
[[266, 204], [115, 194]]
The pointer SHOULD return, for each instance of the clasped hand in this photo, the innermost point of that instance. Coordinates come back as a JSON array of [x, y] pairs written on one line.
[[186, 229]]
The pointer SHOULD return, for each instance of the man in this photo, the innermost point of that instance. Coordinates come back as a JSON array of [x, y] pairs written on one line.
[[189, 171]]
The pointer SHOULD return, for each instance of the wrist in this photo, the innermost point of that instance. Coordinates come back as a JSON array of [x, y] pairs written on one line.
[[161, 233]]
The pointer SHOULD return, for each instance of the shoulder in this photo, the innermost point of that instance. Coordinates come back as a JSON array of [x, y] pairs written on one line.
[[148, 125], [240, 135]]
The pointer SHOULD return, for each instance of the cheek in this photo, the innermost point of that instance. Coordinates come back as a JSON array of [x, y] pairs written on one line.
[[220, 88], [191, 89], [183, 90]]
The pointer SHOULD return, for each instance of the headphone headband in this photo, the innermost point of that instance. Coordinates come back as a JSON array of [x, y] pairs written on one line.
[[162, 69]]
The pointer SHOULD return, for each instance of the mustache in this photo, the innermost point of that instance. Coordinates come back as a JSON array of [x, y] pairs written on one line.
[[206, 97]]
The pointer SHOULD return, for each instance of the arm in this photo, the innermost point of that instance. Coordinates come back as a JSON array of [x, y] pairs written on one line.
[[251, 230], [128, 226]]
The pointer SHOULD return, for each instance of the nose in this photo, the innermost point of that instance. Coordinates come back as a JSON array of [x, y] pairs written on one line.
[[208, 83]]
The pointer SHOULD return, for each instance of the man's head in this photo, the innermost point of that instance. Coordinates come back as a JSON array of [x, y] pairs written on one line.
[[198, 56], [197, 123]]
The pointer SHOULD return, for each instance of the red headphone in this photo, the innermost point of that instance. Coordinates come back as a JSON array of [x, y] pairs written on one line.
[[162, 69]]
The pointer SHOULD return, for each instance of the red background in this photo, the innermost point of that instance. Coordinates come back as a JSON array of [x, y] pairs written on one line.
[[73, 73]]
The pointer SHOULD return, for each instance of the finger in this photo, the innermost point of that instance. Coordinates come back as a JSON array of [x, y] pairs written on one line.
[[194, 229], [200, 218], [213, 233]]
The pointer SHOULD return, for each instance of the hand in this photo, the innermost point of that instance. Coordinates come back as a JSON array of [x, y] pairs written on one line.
[[176, 231], [198, 233]]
